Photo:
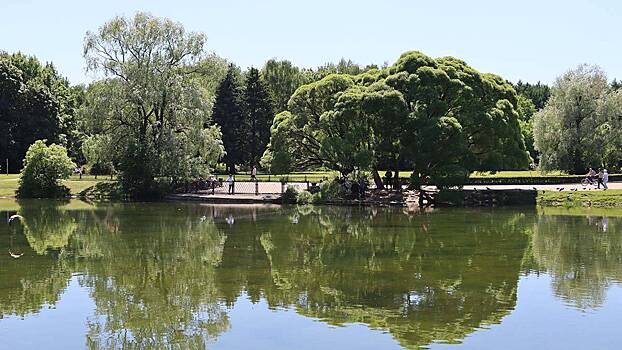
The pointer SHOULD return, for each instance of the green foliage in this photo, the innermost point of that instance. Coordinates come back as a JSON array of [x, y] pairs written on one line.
[[290, 195], [330, 190], [150, 111], [526, 109], [282, 78], [580, 126], [44, 168], [538, 93], [449, 176], [424, 112], [28, 110], [229, 115], [304, 198], [46, 107], [259, 113]]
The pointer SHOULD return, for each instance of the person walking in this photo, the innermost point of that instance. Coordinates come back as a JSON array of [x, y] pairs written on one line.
[[230, 183], [600, 178], [388, 176], [605, 179], [254, 173]]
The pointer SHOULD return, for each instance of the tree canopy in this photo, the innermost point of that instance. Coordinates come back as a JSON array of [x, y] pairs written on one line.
[[44, 168], [150, 104], [438, 115], [36, 102], [259, 114], [579, 126]]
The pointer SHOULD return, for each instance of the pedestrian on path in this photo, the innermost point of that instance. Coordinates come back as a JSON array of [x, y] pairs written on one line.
[[601, 174], [230, 181], [254, 173], [388, 176], [605, 179]]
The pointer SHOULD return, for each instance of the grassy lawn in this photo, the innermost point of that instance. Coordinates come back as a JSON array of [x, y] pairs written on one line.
[[609, 198], [8, 184]]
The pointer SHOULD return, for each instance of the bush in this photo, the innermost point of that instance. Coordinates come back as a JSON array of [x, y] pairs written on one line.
[[330, 190], [44, 168], [290, 195], [450, 176], [305, 197]]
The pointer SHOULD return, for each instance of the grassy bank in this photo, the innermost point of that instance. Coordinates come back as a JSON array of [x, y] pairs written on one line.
[[609, 198], [9, 184]]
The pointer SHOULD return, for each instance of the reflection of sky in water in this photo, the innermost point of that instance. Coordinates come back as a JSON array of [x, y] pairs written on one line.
[[172, 272], [540, 321], [62, 326]]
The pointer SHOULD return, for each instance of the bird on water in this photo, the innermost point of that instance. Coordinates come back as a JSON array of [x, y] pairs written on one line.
[[11, 219], [15, 217]]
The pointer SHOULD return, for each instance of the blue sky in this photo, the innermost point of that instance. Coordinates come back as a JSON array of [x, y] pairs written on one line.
[[527, 39]]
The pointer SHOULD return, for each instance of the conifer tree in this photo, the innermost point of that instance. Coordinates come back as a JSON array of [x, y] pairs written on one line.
[[229, 114], [259, 113]]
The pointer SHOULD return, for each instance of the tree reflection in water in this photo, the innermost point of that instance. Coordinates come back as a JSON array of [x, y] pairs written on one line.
[[581, 253], [38, 277], [164, 274]]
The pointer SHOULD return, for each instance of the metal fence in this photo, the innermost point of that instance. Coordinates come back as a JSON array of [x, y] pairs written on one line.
[[247, 187]]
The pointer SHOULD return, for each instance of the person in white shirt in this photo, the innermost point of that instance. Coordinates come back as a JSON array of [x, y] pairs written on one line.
[[605, 179], [230, 182]]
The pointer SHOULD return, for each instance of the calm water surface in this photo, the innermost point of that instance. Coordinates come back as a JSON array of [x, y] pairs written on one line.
[[189, 276]]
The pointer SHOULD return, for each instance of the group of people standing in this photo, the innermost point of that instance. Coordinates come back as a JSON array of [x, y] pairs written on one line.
[[602, 177]]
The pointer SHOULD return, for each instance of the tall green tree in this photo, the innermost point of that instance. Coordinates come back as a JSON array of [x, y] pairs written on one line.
[[36, 102], [526, 109], [66, 98], [259, 114], [538, 93], [229, 115], [439, 115], [282, 78], [579, 122], [150, 105]]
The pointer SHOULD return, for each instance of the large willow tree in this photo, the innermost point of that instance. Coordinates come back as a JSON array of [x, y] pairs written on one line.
[[578, 127], [439, 116], [150, 110]]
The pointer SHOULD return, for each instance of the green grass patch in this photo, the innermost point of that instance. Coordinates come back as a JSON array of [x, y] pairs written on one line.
[[9, 184], [608, 198], [104, 190]]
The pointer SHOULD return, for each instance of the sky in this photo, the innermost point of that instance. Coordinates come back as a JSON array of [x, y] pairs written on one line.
[[530, 40]]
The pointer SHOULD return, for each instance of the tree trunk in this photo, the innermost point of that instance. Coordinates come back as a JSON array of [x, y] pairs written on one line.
[[231, 168], [377, 179]]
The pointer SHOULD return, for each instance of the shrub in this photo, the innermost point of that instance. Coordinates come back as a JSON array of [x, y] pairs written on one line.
[[44, 168], [305, 197], [290, 195], [450, 176], [330, 190]]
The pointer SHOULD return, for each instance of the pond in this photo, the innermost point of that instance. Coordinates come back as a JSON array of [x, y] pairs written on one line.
[[178, 275]]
